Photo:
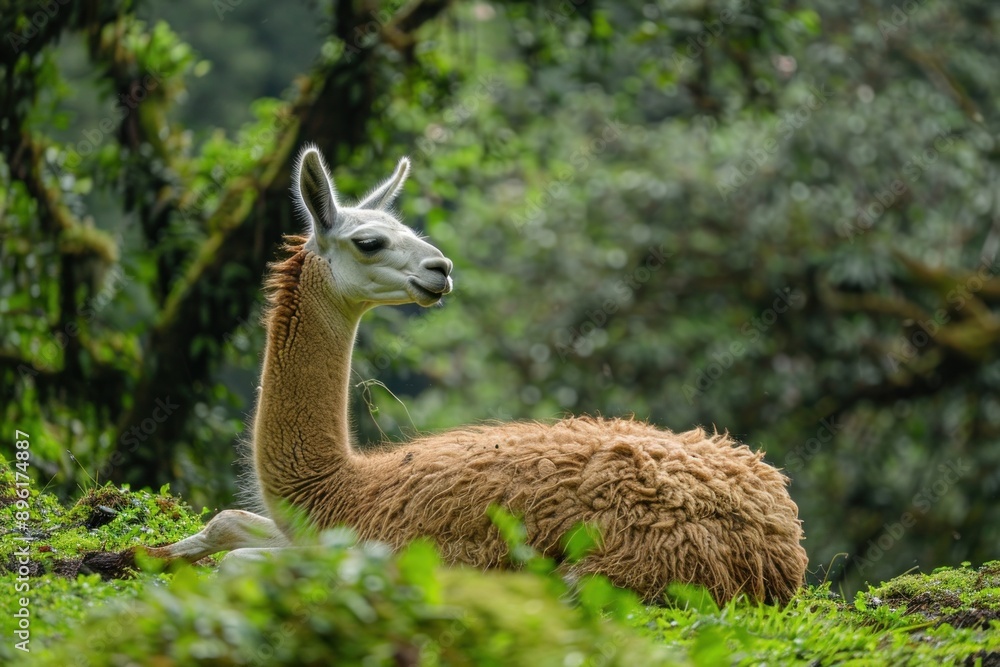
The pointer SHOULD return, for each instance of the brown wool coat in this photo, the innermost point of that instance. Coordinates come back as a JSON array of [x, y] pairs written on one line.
[[688, 507]]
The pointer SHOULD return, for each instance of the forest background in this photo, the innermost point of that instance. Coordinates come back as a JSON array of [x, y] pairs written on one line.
[[776, 219]]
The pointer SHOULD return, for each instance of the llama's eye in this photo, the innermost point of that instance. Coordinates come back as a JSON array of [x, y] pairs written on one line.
[[369, 245]]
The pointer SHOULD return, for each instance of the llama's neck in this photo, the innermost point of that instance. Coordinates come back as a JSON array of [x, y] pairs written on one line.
[[301, 432]]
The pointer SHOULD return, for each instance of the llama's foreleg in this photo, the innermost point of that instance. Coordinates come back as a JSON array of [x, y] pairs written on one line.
[[228, 530], [253, 554]]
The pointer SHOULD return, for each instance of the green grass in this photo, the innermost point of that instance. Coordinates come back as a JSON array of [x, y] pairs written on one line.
[[819, 627], [363, 605]]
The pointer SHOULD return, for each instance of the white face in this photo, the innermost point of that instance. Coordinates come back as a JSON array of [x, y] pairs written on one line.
[[375, 259]]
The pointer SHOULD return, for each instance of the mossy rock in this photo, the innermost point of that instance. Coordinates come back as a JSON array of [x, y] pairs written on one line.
[[90, 537], [962, 597]]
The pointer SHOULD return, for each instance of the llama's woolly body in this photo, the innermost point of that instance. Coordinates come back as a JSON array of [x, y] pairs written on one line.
[[685, 507], [670, 507]]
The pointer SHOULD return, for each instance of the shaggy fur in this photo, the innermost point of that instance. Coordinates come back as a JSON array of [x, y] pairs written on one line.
[[685, 507]]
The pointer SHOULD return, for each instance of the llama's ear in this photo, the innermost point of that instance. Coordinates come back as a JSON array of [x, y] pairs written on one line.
[[316, 191], [384, 194]]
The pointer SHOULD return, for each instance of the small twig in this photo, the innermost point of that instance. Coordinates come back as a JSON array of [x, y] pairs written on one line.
[[372, 408]]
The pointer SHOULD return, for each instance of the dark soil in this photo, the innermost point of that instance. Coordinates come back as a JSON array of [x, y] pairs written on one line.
[[971, 618], [937, 607], [108, 564], [991, 659]]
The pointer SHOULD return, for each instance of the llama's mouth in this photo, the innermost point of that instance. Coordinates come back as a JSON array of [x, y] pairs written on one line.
[[424, 296]]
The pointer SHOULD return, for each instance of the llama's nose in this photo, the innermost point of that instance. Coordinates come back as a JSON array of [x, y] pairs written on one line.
[[442, 264]]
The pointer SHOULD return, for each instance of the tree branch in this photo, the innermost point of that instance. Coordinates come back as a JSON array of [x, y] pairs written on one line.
[[210, 298]]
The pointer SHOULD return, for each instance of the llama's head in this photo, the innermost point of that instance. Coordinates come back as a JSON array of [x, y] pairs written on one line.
[[374, 258]]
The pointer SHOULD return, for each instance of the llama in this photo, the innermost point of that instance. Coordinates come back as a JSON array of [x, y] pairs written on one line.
[[687, 507]]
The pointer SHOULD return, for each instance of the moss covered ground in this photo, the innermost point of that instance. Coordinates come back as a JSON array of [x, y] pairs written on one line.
[[361, 605]]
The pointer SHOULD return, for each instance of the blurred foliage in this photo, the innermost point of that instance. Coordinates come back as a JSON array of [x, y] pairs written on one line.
[[355, 606], [747, 214]]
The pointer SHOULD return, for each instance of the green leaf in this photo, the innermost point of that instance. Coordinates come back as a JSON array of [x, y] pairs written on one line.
[[809, 19], [581, 539], [418, 564], [513, 533], [691, 596]]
